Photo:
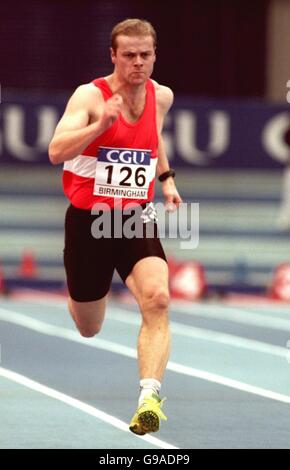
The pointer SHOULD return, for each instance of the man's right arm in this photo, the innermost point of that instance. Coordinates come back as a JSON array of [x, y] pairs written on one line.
[[74, 132]]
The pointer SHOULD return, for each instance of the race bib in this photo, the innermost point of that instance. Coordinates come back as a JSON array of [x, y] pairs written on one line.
[[124, 173]]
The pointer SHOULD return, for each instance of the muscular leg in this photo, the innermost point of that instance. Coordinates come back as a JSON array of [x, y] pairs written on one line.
[[88, 316], [148, 282]]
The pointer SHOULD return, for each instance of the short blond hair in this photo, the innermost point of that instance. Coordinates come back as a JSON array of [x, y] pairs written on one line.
[[133, 27]]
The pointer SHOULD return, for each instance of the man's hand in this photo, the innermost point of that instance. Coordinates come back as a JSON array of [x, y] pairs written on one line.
[[112, 109], [171, 195]]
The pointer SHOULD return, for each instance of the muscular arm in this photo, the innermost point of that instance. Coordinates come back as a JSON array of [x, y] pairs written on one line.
[[164, 97], [74, 132], [162, 164]]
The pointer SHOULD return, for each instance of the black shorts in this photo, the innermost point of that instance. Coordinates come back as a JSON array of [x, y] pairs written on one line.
[[90, 262]]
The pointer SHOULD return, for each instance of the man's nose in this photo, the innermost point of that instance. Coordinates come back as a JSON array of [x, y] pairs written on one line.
[[138, 60]]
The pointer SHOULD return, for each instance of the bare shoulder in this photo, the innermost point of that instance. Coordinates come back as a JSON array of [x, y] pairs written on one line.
[[85, 95], [84, 105], [164, 96]]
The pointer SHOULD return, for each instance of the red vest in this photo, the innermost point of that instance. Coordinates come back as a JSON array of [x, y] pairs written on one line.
[[117, 163]]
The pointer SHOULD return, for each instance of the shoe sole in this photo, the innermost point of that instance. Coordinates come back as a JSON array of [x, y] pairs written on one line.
[[136, 429], [149, 421]]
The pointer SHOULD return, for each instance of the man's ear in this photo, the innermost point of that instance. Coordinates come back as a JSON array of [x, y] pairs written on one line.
[[113, 55]]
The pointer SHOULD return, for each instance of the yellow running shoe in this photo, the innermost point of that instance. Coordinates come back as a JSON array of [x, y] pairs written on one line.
[[148, 415]]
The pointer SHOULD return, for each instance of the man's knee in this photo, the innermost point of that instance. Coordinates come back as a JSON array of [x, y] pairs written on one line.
[[156, 298], [89, 331], [88, 319], [85, 329]]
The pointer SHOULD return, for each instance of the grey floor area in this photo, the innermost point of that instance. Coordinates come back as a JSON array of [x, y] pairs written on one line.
[[203, 413]]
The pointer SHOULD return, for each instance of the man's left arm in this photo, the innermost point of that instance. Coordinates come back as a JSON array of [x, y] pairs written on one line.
[[171, 195]]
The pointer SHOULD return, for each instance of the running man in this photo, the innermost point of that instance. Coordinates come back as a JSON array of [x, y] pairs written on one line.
[[110, 142]]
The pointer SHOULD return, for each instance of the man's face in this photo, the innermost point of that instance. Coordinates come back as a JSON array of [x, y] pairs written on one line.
[[134, 58]]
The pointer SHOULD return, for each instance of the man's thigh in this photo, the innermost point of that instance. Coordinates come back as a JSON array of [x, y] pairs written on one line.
[[130, 252], [149, 277], [88, 261]]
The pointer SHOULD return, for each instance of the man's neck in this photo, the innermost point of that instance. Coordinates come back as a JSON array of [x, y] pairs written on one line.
[[130, 93]]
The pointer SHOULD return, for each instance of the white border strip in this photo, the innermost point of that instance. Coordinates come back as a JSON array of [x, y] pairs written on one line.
[[131, 318], [60, 332], [204, 334], [234, 315], [79, 405]]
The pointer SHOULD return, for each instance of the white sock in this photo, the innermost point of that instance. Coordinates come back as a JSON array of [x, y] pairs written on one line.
[[147, 387]]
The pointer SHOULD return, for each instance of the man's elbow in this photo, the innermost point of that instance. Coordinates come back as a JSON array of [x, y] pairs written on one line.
[[54, 154]]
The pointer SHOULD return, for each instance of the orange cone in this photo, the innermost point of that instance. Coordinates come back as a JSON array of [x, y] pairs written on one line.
[[28, 268]]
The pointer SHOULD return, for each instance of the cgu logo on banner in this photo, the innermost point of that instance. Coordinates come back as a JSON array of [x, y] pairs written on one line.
[[273, 137], [240, 135], [236, 135], [185, 137], [26, 131]]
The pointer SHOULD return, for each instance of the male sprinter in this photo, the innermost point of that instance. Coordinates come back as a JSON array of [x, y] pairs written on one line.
[[110, 140]]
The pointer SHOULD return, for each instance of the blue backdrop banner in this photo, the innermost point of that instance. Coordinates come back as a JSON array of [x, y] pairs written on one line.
[[197, 133]]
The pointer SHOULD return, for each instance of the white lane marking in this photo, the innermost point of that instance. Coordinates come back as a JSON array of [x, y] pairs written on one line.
[[110, 346], [65, 333], [244, 387], [121, 315], [91, 410], [32, 296], [233, 315], [213, 311]]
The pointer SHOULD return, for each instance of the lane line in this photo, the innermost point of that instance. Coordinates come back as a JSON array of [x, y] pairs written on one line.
[[121, 315], [216, 312], [60, 332], [188, 331], [233, 315], [73, 402], [231, 383]]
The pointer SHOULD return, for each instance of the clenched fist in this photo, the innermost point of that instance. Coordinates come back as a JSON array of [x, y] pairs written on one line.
[[112, 109]]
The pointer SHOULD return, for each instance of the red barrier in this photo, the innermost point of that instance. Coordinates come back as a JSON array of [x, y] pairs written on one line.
[[280, 288], [187, 280]]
